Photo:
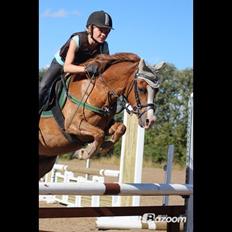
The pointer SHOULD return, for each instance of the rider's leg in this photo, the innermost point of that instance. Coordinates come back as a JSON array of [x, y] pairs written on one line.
[[52, 73]]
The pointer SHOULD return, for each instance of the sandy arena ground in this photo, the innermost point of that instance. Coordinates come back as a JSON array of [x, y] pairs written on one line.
[[150, 175]]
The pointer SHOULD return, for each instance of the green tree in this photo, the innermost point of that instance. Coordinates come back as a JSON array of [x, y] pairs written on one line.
[[172, 115]]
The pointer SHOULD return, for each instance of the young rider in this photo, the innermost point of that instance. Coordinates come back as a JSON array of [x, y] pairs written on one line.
[[80, 47]]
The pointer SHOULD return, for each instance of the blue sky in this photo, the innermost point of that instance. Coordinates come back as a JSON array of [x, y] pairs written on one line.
[[156, 30]]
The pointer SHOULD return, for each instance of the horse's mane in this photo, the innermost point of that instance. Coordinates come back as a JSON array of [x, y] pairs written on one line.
[[104, 60], [122, 56]]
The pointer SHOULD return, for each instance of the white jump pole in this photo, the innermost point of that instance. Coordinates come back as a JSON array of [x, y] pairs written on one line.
[[51, 177], [128, 222], [87, 165], [168, 170], [99, 172]]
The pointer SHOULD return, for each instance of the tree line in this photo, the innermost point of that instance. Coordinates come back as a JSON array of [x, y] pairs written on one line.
[[170, 127]]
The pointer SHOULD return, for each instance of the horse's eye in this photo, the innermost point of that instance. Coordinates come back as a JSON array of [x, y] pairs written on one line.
[[142, 90]]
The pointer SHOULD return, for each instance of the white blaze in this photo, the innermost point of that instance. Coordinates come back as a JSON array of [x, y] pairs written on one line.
[[150, 99]]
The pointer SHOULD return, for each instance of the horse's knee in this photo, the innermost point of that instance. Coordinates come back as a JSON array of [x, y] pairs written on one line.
[[114, 127], [118, 128], [122, 129], [118, 133], [100, 136]]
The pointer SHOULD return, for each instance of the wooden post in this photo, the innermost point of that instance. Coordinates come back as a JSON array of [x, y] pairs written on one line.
[[131, 162]]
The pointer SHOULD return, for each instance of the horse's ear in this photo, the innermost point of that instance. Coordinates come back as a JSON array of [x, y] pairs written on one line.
[[148, 74], [160, 65], [141, 64], [143, 67]]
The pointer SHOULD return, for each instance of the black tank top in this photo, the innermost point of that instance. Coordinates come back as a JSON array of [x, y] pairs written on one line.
[[84, 52]]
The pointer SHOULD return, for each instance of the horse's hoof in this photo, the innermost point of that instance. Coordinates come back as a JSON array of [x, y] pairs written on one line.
[[81, 154]]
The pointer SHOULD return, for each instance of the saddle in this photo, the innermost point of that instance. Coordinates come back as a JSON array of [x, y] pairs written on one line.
[[55, 102], [53, 94]]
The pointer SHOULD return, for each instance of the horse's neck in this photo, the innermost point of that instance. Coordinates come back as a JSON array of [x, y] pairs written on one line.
[[119, 76]]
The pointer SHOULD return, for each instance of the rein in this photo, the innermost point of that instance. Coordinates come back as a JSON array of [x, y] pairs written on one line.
[[107, 110], [88, 106], [84, 104]]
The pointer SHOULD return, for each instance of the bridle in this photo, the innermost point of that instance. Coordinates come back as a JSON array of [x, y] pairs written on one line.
[[136, 109]]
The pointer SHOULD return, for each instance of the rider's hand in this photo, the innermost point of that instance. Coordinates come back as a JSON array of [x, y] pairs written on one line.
[[92, 69]]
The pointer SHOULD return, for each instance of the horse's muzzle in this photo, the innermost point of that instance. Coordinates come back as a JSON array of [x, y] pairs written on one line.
[[146, 121], [149, 122]]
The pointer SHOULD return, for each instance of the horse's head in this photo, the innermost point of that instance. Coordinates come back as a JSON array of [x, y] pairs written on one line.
[[145, 87], [127, 75]]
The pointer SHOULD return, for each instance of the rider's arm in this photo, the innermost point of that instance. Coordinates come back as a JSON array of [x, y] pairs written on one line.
[[68, 66]]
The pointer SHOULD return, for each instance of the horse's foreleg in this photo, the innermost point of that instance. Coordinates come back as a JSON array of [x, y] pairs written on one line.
[[86, 129], [117, 130]]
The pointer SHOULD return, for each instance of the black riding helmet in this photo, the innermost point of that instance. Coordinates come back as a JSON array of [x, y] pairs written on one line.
[[100, 19]]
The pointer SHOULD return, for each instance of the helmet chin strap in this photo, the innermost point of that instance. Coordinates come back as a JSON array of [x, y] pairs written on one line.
[[91, 34]]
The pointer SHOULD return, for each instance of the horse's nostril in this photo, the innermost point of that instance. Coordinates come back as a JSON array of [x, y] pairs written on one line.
[[149, 122]]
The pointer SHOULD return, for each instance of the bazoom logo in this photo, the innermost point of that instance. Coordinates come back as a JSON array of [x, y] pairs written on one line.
[[161, 218]]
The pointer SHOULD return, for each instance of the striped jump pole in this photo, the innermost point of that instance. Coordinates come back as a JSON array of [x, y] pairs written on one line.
[[145, 189]]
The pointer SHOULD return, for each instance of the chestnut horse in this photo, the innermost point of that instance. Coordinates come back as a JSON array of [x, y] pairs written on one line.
[[91, 104]]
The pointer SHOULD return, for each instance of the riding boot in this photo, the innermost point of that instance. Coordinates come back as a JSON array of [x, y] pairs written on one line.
[[52, 73]]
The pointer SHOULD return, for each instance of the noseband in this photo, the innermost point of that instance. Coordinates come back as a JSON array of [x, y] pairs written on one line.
[[137, 109]]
